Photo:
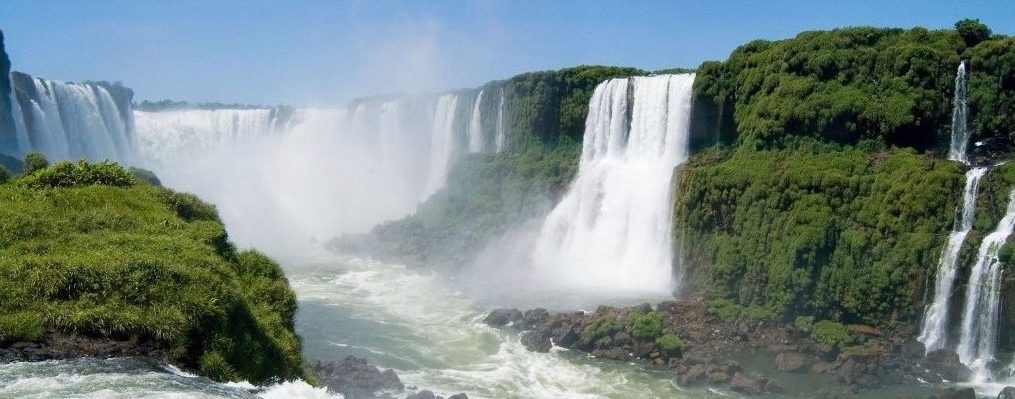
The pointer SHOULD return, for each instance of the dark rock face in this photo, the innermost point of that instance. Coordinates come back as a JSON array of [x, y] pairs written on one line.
[[752, 385], [8, 137], [62, 346], [1007, 393], [503, 317], [942, 365], [354, 378]]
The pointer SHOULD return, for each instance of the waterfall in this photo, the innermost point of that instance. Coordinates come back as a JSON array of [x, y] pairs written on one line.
[[285, 179], [934, 333], [611, 231], [960, 113], [442, 143], [476, 141], [978, 343], [69, 120], [501, 137], [166, 135]]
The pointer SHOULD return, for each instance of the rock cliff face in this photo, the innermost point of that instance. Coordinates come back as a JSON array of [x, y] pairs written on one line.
[[8, 139]]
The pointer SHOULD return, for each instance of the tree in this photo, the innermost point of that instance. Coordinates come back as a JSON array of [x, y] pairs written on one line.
[[972, 31], [35, 161]]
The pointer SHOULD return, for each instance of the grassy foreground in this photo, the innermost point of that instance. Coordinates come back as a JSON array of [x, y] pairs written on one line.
[[95, 250]]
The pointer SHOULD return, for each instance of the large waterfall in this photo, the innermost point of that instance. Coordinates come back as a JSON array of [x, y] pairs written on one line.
[[960, 113], [68, 120], [611, 231], [934, 333], [285, 179]]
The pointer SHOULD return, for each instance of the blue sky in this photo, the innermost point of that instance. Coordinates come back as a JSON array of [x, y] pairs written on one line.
[[326, 52]]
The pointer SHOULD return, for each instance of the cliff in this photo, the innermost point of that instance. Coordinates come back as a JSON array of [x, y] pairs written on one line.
[[8, 136]]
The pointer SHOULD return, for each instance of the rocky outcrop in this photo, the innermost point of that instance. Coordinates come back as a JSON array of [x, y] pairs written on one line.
[[354, 378], [709, 344], [1007, 393], [425, 394], [69, 346], [953, 393]]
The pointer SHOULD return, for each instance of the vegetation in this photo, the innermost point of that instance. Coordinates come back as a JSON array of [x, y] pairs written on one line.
[[646, 326], [603, 328], [35, 161], [670, 344], [847, 85], [831, 334], [88, 248], [843, 233]]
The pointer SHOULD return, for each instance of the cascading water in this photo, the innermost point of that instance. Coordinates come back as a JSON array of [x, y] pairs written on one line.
[[960, 132], [934, 333], [68, 120], [442, 144], [978, 343], [476, 139], [166, 135], [501, 137], [611, 231]]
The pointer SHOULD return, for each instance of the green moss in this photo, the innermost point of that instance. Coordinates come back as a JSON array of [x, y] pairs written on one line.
[[93, 253], [670, 344], [645, 326], [831, 334]]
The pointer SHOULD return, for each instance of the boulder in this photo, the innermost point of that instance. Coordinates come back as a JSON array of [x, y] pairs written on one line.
[[790, 361], [459, 396], [751, 385], [946, 365], [424, 394], [1007, 393], [953, 393], [354, 378], [503, 317]]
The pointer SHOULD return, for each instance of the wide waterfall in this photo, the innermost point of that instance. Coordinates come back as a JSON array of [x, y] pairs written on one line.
[[960, 114], [978, 343], [611, 231], [283, 177], [934, 333], [70, 120]]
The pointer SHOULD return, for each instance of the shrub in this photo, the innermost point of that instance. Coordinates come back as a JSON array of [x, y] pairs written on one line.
[[602, 328], [35, 161], [146, 176], [671, 344], [804, 323], [725, 309], [4, 175], [22, 326], [188, 206], [215, 366], [81, 173], [831, 334], [646, 326]]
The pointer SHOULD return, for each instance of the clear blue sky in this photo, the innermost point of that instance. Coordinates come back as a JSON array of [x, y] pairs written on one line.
[[326, 52]]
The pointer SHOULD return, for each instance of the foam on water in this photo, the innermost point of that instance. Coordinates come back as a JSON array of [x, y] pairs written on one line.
[[434, 338]]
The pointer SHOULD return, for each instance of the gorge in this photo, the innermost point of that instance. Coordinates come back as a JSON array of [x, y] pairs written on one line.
[[830, 210]]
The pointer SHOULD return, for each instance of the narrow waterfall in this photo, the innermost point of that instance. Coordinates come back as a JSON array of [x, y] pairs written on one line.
[[960, 113], [501, 137], [70, 120], [476, 139], [442, 144], [611, 231], [978, 343], [934, 333]]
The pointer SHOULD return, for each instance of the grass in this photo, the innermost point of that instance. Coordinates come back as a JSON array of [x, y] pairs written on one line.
[[91, 249]]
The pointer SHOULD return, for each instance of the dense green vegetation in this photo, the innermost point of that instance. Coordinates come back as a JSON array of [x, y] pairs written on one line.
[[846, 234], [91, 249], [846, 85]]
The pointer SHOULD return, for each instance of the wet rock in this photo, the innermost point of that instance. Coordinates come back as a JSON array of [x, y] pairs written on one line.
[[952, 393], [503, 317], [459, 396], [869, 331], [751, 385], [790, 361], [1007, 393], [534, 317], [424, 394], [354, 378], [946, 365]]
